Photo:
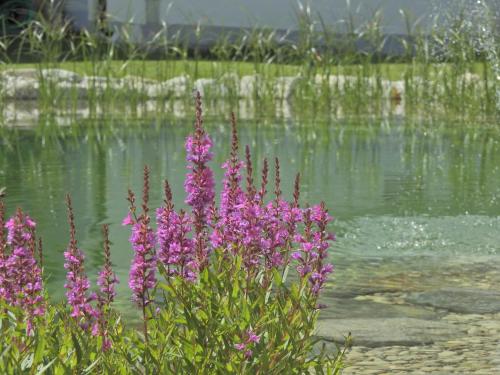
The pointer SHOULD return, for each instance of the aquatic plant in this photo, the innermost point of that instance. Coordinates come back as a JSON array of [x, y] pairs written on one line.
[[212, 283]]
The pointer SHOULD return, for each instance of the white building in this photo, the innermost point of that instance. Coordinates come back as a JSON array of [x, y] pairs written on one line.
[[276, 14]]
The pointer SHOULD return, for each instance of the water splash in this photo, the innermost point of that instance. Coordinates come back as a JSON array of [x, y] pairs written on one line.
[[488, 39], [472, 24]]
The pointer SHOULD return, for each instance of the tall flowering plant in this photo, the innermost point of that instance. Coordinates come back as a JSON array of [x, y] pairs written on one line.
[[263, 233], [77, 283], [225, 266], [199, 184], [142, 277], [211, 281], [21, 283]]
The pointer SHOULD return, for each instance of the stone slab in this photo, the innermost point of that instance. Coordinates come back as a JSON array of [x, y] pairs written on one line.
[[381, 332], [458, 300]]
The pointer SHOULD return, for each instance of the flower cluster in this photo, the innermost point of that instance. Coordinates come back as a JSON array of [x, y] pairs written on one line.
[[176, 251], [90, 310], [77, 283], [142, 276], [106, 281], [314, 245], [199, 183], [20, 275], [225, 226], [250, 340], [263, 233], [107, 278]]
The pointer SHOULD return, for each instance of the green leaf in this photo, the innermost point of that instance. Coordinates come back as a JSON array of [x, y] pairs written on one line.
[[78, 348], [89, 369], [39, 347], [27, 362], [46, 367], [236, 287]]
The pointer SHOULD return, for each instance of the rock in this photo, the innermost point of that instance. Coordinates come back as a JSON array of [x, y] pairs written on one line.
[[231, 82], [102, 83], [88, 86], [73, 90], [342, 82], [459, 300], [470, 78], [23, 73], [285, 86], [20, 84], [176, 88], [340, 308], [393, 90], [251, 86], [60, 75], [21, 88], [209, 87], [137, 84], [386, 332]]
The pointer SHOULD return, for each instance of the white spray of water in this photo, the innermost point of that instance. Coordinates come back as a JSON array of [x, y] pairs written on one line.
[[484, 21], [479, 22]]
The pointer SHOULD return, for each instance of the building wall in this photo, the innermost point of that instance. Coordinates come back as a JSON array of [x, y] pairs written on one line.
[[279, 14]]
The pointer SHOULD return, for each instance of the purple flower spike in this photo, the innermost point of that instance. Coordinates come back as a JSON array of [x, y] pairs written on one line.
[[250, 340], [199, 183], [77, 283], [142, 271], [176, 251], [20, 276], [128, 220], [107, 281], [314, 248], [107, 278]]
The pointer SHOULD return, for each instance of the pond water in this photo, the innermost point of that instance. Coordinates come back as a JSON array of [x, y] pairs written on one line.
[[417, 208]]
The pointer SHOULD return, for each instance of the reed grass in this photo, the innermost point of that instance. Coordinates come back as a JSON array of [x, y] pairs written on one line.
[[442, 75]]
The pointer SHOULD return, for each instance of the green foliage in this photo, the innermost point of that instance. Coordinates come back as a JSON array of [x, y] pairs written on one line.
[[195, 330], [442, 74]]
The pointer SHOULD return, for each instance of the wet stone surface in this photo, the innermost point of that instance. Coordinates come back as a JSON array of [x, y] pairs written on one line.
[[461, 344], [467, 301], [445, 322], [379, 332]]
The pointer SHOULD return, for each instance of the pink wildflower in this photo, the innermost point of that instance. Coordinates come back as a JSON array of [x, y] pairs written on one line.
[[250, 340], [20, 276], [176, 251], [77, 283], [314, 247], [199, 183], [142, 271]]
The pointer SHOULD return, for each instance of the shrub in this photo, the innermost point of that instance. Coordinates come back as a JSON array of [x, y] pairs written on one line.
[[212, 283]]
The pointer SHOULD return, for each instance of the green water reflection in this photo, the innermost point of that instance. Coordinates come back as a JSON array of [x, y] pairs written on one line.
[[404, 198]]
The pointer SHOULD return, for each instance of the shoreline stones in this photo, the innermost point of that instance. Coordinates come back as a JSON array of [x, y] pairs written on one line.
[[172, 88], [460, 334], [27, 84], [477, 353]]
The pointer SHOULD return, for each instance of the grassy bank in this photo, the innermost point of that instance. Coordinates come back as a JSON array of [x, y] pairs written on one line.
[[142, 88], [446, 76]]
